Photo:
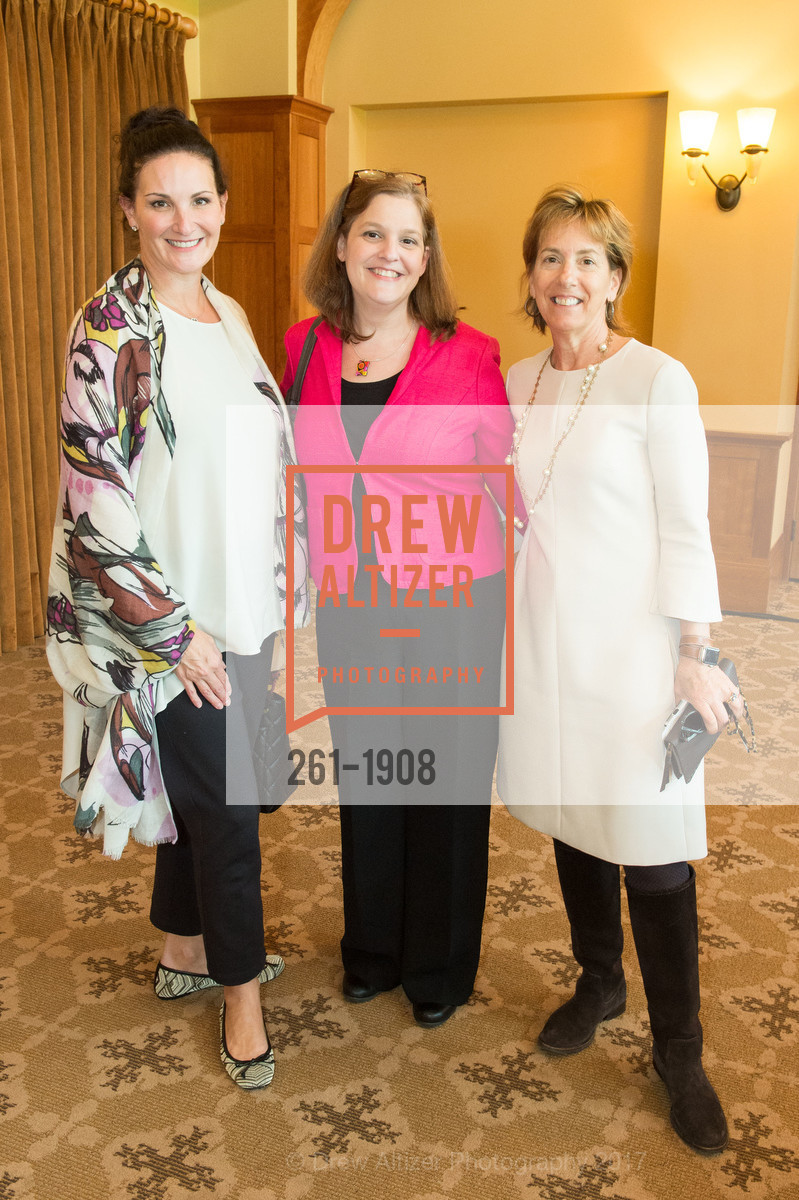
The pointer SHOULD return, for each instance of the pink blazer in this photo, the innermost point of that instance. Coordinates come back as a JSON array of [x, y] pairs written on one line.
[[449, 407]]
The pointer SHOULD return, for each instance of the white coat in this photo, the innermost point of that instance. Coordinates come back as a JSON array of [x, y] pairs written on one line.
[[617, 553]]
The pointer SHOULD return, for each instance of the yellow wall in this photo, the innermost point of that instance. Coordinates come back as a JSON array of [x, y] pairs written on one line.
[[724, 279], [726, 300], [485, 163], [247, 48]]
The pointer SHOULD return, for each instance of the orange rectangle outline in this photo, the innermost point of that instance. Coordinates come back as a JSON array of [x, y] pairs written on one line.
[[294, 723]]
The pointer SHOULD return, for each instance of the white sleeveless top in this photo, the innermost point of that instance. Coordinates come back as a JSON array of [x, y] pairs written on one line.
[[213, 538]]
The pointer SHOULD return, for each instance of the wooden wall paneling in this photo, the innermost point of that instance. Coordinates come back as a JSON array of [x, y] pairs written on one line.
[[304, 308], [244, 264], [308, 189], [273, 152], [285, 284], [244, 268], [777, 570], [743, 480]]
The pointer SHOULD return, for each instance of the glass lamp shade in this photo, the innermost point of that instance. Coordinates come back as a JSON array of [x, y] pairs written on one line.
[[754, 126], [696, 128]]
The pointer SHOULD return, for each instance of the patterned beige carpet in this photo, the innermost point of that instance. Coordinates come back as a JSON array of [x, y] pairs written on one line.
[[106, 1092]]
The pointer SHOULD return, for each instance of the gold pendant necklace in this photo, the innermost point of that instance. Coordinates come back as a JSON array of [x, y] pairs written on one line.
[[175, 308], [363, 364], [591, 373]]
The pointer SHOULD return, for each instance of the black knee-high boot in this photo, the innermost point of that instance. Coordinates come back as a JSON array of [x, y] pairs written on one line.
[[592, 896], [666, 938]]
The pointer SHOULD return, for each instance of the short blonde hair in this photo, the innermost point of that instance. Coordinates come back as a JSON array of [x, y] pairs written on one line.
[[605, 223], [432, 301]]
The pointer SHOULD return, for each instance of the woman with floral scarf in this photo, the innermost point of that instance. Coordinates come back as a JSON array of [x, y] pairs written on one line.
[[168, 576]]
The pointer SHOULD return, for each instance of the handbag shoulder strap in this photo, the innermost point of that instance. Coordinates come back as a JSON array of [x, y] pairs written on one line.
[[295, 391]]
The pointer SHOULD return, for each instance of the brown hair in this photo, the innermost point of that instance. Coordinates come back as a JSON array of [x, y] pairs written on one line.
[[432, 301], [605, 223], [154, 131]]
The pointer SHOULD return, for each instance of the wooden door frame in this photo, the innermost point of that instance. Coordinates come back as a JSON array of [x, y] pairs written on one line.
[[317, 21]]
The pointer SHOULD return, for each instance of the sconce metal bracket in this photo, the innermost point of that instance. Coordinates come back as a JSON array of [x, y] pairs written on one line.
[[728, 189]]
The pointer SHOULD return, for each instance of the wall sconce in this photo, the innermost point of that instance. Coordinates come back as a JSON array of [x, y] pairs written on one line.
[[697, 128]]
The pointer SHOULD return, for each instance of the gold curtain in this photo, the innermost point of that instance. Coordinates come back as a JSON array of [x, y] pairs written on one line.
[[71, 73]]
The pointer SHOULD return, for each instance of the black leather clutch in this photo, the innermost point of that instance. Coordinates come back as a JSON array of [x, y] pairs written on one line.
[[685, 737]]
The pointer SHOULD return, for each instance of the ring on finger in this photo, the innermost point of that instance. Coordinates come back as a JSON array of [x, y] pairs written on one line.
[[733, 696]]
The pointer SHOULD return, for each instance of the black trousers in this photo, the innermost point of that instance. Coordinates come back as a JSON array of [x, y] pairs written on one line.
[[415, 857], [209, 881], [414, 895]]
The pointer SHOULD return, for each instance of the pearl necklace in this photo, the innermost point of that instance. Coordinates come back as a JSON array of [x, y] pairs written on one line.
[[591, 373]]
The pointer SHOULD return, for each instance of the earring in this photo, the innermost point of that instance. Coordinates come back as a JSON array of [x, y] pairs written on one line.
[[134, 228], [609, 311]]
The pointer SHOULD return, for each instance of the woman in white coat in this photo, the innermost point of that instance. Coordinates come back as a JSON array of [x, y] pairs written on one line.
[[615, 588]]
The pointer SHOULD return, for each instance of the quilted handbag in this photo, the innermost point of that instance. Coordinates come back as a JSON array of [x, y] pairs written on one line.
[[270, 755]]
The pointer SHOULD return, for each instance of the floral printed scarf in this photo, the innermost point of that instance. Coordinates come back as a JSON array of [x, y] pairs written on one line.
[[115, 627]]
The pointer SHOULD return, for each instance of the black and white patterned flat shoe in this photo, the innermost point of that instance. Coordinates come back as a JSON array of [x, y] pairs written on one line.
[[248, 1073], [171, 985]]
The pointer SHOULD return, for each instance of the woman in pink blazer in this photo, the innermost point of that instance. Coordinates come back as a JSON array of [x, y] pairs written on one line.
[[409, 563]]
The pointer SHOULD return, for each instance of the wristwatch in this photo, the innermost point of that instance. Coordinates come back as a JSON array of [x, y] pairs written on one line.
[[709, 655]]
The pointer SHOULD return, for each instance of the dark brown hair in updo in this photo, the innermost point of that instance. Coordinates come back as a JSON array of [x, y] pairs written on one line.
[[155, 131]]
